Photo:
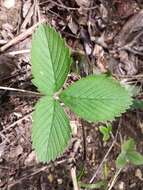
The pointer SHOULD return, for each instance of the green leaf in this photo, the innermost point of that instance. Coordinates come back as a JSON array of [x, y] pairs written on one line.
[[137, 104], [98, 185], [50, 60], [121, 160], [51, 129], [135, 158], [97, 98], [129, 154], [128, 145], [105, 132]]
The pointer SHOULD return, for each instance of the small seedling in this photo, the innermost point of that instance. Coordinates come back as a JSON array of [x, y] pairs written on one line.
[[98, 185], [106, 132], [129, 155], [94, 98]]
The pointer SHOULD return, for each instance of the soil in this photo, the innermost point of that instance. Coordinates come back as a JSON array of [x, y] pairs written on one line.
[[104, 36]]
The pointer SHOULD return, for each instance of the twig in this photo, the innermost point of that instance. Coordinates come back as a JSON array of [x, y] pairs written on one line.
[[37, 9], [131, 44], [106, 155], [4, 137], [16, 122], [19, 90], [32, 173], [99, 167], [115, 178], [22, 51], [21, 36], [74, 178], [54, 13], [68, 8], [28, 17], [84, 141], [43, 168], [2, 42]]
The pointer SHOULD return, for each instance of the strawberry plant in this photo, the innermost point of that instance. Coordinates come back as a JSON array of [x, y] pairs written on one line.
[[129, 154], [94, 98], [106, 130]]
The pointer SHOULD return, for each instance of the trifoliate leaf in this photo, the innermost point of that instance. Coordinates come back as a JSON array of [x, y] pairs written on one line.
[[126, 147], [50, 60], [51, 130], [97, 98], [105, 132], [129, 154]]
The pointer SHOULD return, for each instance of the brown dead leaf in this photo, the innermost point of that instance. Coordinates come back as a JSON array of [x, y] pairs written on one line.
[[101, 62], [72, 25], [15, 152], [11, 15], [7, 66], [31, 159], [124, 8], [131, 29]]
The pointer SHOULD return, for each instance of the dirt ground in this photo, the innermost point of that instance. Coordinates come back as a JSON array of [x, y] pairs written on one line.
[[104, 36]]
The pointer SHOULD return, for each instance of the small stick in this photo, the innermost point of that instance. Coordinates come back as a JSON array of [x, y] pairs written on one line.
[[32, 173], [74, 178], [16, 122], [106, 155], [68, 8], [115, 178], [43, 168], [17, 52], [21, 36], [19, 90], [99, 167], [28, 17], [84, 141], [37, 9], [2, 42]]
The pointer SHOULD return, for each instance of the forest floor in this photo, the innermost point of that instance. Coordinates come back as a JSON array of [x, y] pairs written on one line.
[[104, 36]]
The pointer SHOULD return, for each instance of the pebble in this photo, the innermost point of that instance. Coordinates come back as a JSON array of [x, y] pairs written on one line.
[[60, 181], [31, 159], [139, 174], [121, 185], [9, 3]]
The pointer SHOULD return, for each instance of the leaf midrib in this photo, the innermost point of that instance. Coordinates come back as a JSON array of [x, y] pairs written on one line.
[[53, 115], [81, 98], [51, 61]]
